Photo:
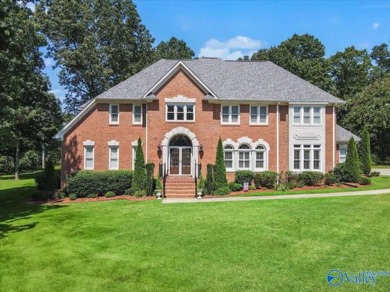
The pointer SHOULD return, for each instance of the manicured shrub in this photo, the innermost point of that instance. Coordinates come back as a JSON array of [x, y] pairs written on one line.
[[201, 183], [282, 187], [364, 181], [158, 183], [352, 164], [252, 188], [330, 179], [139, 194], [242, 176], [235, 187], [128, 192], [84, 183], [109, 194], [341, 173], [210, 183], [365, 152], [149, 186], [311, 178], [222, 191], [266, 179], [220, 168], [92, 196], [139, 176], [48, 181], [73, 196]]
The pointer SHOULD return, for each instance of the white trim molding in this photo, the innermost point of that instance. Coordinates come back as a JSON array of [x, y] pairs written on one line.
[[88, 143], [180, 99], [113, 143]]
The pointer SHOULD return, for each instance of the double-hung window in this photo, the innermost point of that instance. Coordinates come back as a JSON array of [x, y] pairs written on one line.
[[230, 115], [244, 153], [342, 153], [260, 157], [89, 157], [307, 115], [137, 114], [229, 155], [258, 115], [180, 112], [113, 157], [114, 114], [307, 157]]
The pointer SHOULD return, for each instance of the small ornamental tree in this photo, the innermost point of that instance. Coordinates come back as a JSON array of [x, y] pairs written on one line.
[[149, 186], [139, 176], [220, 168], [352, 163], [210, 181], [365, 152]]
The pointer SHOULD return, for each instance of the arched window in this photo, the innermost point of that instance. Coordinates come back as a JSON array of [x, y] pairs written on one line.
[[228, 154], [244, 156], [260, 157]]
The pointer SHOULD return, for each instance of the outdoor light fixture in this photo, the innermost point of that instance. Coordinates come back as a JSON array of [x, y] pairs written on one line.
[[201, 152], [159, 151]]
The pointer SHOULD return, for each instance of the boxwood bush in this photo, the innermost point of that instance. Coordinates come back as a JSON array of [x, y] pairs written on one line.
[[84, 183], [266, 179], [311, 178], [243, 176], [235, 187]]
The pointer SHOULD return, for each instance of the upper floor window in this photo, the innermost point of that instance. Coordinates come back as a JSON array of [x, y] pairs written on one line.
[[307, 115], [180, 112], [230, 114], [137, 114], [89, 157], [258, 115], [114, 114]]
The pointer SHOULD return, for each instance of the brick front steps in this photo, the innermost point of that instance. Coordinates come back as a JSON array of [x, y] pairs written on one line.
[[180, 187]]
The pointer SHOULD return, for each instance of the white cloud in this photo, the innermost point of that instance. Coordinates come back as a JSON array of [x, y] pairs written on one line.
[[375, 26], [231, 49]]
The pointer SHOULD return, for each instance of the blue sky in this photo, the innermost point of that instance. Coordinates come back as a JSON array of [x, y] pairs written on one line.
[[230, 29]]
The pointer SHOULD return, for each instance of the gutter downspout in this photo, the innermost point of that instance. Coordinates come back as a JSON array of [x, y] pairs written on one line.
[[333, 136], [277, 137], [146, 132]]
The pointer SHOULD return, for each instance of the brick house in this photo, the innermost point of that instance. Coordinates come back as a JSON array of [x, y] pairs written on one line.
[[267, 118]]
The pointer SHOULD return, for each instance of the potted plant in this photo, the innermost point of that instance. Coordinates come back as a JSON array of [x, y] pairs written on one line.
[[200, 187], [158, 188]]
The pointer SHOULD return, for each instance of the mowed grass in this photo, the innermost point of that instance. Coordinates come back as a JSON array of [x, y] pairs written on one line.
[[285, 245]]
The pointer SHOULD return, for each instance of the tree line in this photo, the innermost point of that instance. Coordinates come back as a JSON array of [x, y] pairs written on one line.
[[97, 44]]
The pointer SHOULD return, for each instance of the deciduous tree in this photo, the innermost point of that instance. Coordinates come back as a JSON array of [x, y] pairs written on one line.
[[173, 49]]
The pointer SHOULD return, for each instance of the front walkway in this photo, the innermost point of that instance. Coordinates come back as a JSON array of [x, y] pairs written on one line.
[[383, 171], [278, 197]]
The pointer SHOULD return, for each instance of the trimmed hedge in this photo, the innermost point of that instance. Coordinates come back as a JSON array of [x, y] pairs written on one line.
[[311, 178], [266, 179], [235, 187], [243, 176], [86, 182]]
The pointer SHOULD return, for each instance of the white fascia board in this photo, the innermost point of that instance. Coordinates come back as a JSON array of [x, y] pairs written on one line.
[[173, 71], [309, 103], [60, 135]]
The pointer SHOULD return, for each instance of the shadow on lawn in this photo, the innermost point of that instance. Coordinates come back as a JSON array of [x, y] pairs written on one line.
[[15, 206]]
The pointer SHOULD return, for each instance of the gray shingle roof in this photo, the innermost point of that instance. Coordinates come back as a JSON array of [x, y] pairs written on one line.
[[230, 80], [343, 135]]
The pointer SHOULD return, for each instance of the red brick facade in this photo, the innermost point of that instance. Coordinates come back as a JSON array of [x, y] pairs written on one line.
[[207, 127]]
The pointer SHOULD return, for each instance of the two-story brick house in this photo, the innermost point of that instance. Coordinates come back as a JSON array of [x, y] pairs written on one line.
[[267, 118]]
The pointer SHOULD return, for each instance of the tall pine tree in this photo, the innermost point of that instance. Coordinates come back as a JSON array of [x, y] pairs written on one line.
[[365, 152], [220, 167], [138, 181], [352, 164]]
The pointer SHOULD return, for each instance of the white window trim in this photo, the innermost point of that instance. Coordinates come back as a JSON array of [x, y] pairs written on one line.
[[265, 155], [302, 117], [258, 115], [110, 114], [311, 161], [109, 157], [233, 155], [230, 115], [85, 156], [133, 111], [175, 112]]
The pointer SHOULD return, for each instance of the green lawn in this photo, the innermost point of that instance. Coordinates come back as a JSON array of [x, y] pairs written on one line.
[[378, 182], [287, 245]]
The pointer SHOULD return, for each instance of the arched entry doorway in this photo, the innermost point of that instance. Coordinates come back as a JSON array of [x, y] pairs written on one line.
[[180, 155]]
